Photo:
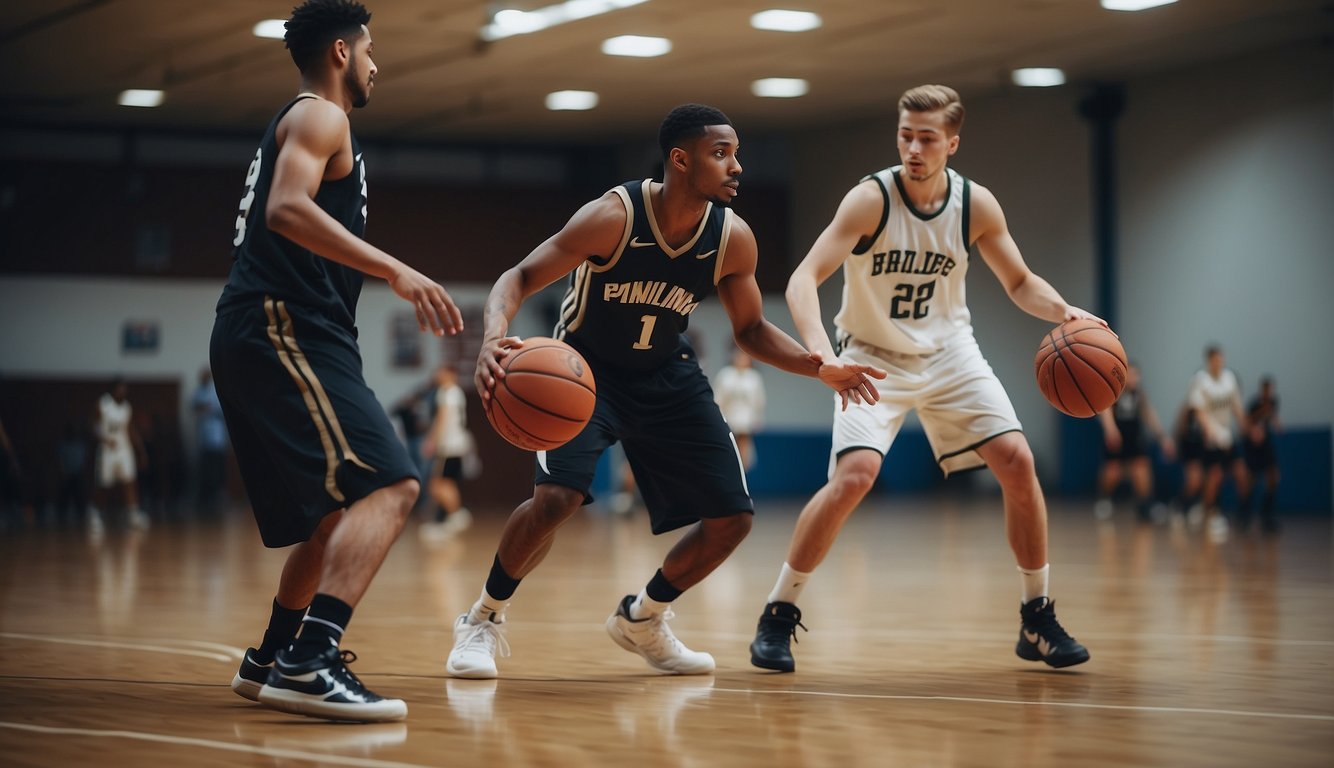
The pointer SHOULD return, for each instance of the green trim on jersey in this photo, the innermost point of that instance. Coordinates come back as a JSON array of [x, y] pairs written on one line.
[[967, 244], [884, 216], [949, 192]]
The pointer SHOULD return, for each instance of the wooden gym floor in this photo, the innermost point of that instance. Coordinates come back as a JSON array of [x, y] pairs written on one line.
[[119, 652]]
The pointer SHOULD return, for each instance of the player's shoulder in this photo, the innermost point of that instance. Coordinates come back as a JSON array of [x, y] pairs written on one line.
[[316, 120], [612, 206]]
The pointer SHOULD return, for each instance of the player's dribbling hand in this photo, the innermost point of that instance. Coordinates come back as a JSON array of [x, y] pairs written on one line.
[[852, 381], [436, 311], [489, 366], [1075, 313]]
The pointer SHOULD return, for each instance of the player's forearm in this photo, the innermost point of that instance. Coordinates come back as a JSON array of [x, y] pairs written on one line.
[[1038, 298], [766, 342], [803, 302], [309, 226], [502, 304]]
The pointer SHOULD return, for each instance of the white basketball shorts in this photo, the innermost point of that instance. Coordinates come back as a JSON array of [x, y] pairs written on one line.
[[115, 466], [959, 401]]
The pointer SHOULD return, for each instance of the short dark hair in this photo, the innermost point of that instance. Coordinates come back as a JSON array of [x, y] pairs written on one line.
[[1211, 350], [315, 24], [687, 121]]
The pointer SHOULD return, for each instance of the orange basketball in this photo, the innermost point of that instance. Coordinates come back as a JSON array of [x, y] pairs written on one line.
[[1081, 368], [546, 396]]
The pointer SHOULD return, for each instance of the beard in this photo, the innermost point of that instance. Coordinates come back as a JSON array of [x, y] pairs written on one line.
[[361, 92]]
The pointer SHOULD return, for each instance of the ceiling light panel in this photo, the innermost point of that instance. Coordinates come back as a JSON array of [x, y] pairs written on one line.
[[273, 29], [138, 97], [1038, 77], [776, 20], [510, 22], [780, 87], [636, 45], [560, 101], [1134, 5]]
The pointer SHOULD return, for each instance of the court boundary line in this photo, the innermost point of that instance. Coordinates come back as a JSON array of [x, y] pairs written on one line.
[[233, 654], [1015, 702], [294, 754]]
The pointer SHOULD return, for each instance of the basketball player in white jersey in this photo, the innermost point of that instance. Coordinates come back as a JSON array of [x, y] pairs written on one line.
[[448, 442], [902, 236], [1215, 396], [739, 392], [117, 450]]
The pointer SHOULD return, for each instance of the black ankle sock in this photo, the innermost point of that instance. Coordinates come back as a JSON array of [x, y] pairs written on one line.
[[324, 625], [283, 624], [661, 590], [499, 584]]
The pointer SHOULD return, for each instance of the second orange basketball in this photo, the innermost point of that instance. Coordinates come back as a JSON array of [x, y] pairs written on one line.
[[1081, 367], [546, 396]]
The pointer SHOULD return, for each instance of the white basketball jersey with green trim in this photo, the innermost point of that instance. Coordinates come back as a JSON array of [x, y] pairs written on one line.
[[905, 291]]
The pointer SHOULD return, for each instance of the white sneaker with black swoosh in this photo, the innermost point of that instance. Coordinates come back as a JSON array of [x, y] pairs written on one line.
[[1041, 637]]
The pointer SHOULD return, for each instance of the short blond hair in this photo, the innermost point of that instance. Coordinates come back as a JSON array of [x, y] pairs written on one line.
[[929, 98]]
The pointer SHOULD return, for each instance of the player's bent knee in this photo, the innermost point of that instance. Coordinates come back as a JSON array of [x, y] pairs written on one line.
[[856, 473], [733, 528], [553, 504]]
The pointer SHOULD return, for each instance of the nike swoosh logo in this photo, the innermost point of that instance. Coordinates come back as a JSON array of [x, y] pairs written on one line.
[[1044, 647], [634, 243], [706, 254]]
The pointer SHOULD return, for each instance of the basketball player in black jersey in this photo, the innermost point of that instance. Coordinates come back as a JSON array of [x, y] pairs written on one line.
[[322, 465], [640, 258], [1125, 449]]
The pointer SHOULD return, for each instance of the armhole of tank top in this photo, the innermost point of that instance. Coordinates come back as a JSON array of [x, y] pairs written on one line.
[[884, 216], [967, 212], [722, 245], [625, 235]]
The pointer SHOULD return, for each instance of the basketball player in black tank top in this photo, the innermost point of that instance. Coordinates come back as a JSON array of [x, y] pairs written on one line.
[[322, 466], [641, 257], [1124, 428]]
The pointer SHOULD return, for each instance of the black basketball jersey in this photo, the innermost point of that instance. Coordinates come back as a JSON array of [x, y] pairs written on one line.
[[1127, 412], [268, 264], [629, 310]]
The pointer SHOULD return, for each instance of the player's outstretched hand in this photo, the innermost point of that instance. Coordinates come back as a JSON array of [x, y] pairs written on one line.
[[435, 309], [489, 366], [852, 381]]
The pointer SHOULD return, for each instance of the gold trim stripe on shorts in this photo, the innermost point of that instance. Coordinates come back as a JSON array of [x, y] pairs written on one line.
[[283, 337]]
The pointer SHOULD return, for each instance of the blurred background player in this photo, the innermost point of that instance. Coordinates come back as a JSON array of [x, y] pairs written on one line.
[[1190, 455], [1261, 459], [119, 456], [739, 391], [10, 483], [447, 444], [1215, 396], [210, 443], [1124, 428]]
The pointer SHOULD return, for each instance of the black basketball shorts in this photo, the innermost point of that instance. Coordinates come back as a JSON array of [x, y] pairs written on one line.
[[310, 437], [683, 455]]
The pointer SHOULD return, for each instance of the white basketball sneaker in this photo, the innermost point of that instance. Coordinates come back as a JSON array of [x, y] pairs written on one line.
[[475, 648], [653, 639]]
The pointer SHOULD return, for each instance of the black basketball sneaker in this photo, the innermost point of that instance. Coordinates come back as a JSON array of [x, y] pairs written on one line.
[[251, 676], [323, 686], [777, 627], [1041, 637]]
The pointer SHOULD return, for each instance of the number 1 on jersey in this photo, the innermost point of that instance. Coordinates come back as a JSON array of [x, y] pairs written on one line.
[[646, 332]]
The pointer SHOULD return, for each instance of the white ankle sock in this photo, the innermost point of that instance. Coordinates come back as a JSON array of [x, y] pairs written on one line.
[[487, 608], [645, 606], [1035, 583], [788, 587]]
